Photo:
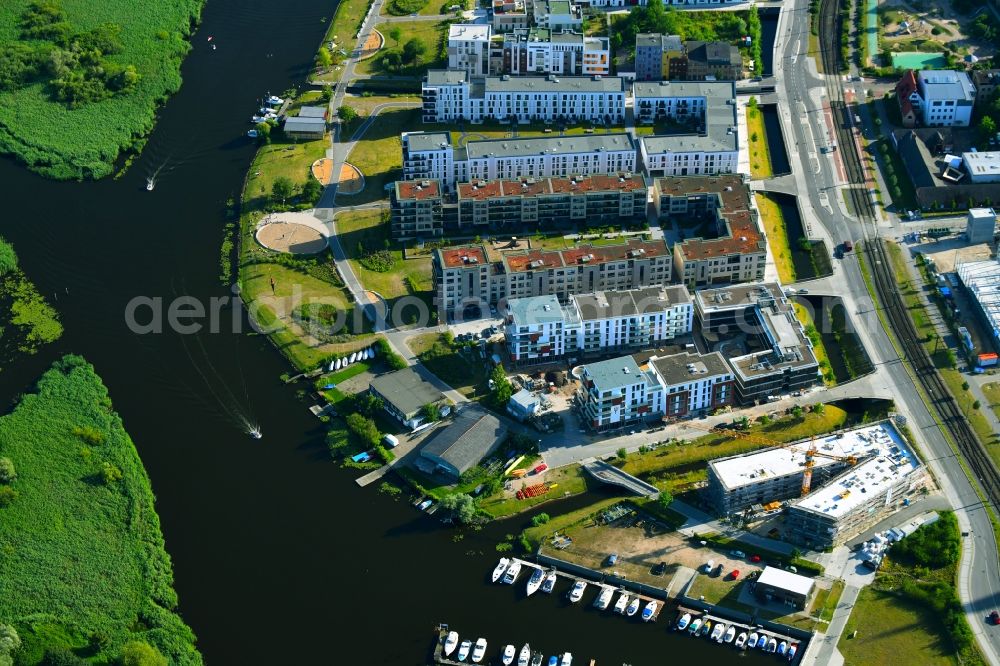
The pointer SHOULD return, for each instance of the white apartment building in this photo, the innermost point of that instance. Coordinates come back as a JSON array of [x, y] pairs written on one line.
[[450, 95], [543, 51], [705, 4], [540, 331], [692, 383], [469, 48], [558, 15], [982, 167], [692, 155], [616, 394], [946, 98], [431, 156]]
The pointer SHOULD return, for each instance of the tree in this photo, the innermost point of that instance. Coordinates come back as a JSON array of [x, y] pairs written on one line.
[[8, 258], [110, 473], [752, 105], [413, 50], [431, 412], [323, 58], [364, 429], [819, 408], [464, 507], [621, 453], [137, 653], [540, 519], [264, 132], [368, 404], [10, 642], [965, 386], [797, 412], [347, 113], [7, 473], [282, 189], [7, 496], [977, 405], [311, 191], [395, 34], [665, 499], [392, 61], [60, 656], [502, 390]]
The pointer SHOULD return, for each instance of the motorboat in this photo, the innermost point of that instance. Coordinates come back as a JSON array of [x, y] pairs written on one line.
[[550, 583], [695, 626], [464, 649], [730, 634], [706, 629], [150, 184], [792, 649], [255, 432], [649, 612], [741, 640], [567, 659], [782, 648], [507, 658], [603, 599], [253, 134], [752, 641], [335, 365], [772, 645], [576, 592], [354, 356], [685, 619], [621, 603], [553, 661], [536, 659], [513, 571], [479, 651], [717, 631], [633, 607], [450, 643], [525, 655], [762, 642], [535, 581], [274, 101], [426, 504], [370, 353]]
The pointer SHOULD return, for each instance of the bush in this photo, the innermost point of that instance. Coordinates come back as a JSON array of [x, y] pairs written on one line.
[[933, 546], [7, 496], [137, 653], [364, 429], [7, 473], [540, 519], [8, 258], [60, 656], [110, 473], [504, 547], [392, 359], [380, 261]]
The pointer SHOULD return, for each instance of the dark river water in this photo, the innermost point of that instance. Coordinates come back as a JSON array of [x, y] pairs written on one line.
[[279, 557]]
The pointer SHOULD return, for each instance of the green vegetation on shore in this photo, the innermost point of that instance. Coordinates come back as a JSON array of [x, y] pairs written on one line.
[[777, 236], [73, 119], [27, 321], [760, 156], [84, 567]]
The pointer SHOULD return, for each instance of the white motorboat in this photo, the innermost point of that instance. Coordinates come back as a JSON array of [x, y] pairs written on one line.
[[762, 641], [576, 592], [682, 623], [508, 655], [450, 643], [513, 571], [255, 432], [535, 581], [741, 640], [730, 634], [603, 599], [706, 628], [524, 655], [499, 569], [550, 583], [274, 101], [633, 607], [332, 365], [464, 649], [370, 353], [792, 650], [567, 659], [621, 603], [717, 632], [150, 184], [649, 612], [479, 651], [354, 356], [752, 641], [772, 645], [339, 364], [782, 648], [695, 626]]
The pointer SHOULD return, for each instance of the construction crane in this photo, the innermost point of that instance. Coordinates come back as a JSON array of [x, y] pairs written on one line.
[[810, 453]]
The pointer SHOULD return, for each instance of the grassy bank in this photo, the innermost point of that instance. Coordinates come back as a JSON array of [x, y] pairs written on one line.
[[822, 357], [59, 142], [84, 565], [27, 321], [777, 237], [760, 158]]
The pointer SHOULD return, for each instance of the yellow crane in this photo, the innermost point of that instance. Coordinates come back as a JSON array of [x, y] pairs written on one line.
[[811, 452]]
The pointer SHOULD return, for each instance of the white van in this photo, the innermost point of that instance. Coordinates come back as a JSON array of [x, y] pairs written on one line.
[[390, 441], [709, 565]]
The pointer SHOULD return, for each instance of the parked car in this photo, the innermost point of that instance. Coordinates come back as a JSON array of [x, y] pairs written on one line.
[[994, 618], [660, 569], [738, 553], [612, 559], [755, 558], [734, 574]]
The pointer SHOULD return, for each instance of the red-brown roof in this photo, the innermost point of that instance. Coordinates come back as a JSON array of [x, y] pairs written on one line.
[[906, 87], [631, 249], [479, 192], [417, 189], [483, 190], [532, 260], [454, 257]]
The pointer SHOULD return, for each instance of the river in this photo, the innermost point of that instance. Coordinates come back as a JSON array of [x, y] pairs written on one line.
[[279, 557]]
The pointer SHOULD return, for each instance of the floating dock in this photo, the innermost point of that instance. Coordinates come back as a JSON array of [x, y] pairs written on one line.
[[742, 627]]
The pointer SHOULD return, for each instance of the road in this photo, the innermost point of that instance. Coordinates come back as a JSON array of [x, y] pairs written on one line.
[[801, 96]]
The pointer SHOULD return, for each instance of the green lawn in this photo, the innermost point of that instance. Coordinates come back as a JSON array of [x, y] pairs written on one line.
[[281, 158], [83, 554], [85, 142], [777, 236], [428, 32], [462, 370], [379, 155], [760, 159], [367, 229], [805, 318], [992, 393]]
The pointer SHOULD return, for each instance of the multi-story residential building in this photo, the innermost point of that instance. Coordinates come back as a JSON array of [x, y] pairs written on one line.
[[674, 3], [986, 82], [692, 384], [562, 15], [450, 95], [937, 98], [654, 53], [710, 60], [544, 51], [778, 357], [508, 15], [430, 156], [474, 277], [716, 151], [682, 101], [540, 331], [416, 209], [616, 394], [469, 48], [738, 253]]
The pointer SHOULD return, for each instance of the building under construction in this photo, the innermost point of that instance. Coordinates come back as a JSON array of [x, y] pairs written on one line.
[[839, 484]]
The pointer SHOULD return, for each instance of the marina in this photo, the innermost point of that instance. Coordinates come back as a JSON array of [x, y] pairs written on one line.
[[447, 639], [738, 635]]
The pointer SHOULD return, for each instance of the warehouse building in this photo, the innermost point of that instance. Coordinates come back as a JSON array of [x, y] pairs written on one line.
[[779, 586], [458, 447], [404, 394], [982, 280]]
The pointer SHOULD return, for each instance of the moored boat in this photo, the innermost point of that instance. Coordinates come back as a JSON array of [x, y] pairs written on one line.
[[682, 623], [513, 571], [507, 658], [604, 598], [649, 612], [695, 626], [576, 592], [706, 629], [730, 634], [741, 640], [633, 607], [717, 632], [792, 650], [622, 602], [782, 648], [772, 645], [479, 651], [762, 641], [567, 659], [464, 649], [450, 643], [553, 661], [752, 641], [550, 583], [524, 656], [499, 569], [536, 659], [535, 581]]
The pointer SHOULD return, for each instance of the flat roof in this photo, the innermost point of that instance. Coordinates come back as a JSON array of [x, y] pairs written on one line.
[[607, 304], [615, 373], [422, 141], [441, 77], [306, 124], [535, 310], [312, 112], [417, 189], [892, 460], [585, 143], [555, 84], [786, 580], [946, 84], [986, 163], [721, 90], [464, 255], [737, 296], [406, 389], [685, 367], [469, 32], [489, 189], [982, 279]]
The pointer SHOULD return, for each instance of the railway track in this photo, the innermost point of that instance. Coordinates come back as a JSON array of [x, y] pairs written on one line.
[[945, 405]]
